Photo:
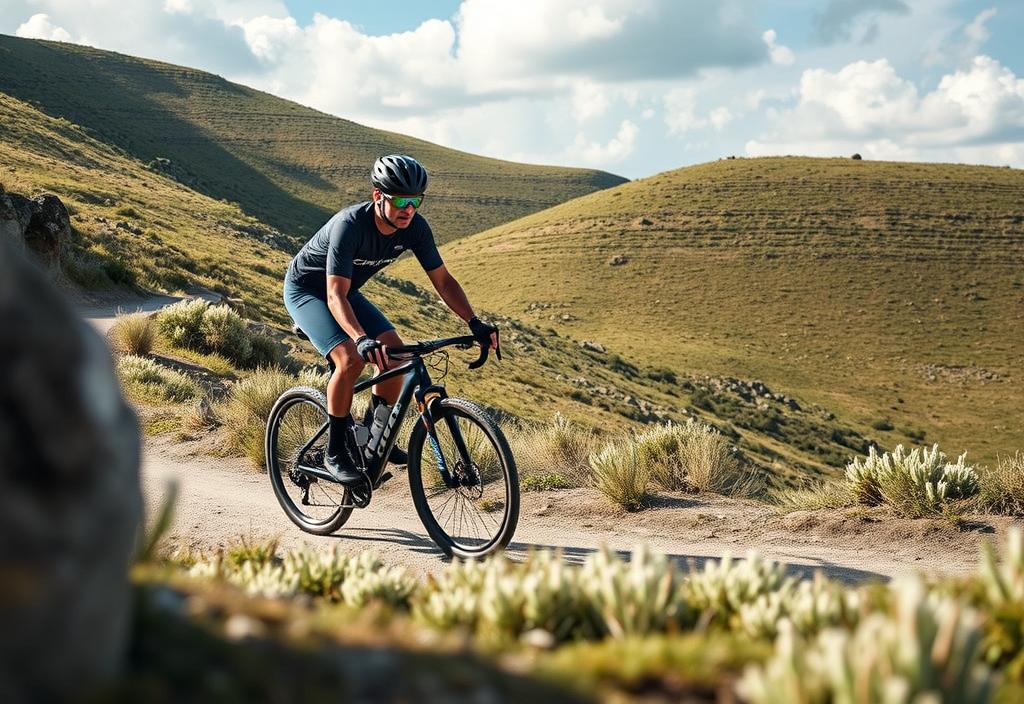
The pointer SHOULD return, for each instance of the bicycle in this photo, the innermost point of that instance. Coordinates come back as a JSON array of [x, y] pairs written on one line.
[[465, 487]]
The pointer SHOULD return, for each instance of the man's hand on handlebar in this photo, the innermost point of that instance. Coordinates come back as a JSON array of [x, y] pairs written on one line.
[[373, 352], [486, 334]]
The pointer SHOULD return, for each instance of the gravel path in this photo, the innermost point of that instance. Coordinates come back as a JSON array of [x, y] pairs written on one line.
[[222, 500]]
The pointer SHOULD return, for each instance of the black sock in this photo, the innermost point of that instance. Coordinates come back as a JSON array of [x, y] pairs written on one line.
[[339, 426]]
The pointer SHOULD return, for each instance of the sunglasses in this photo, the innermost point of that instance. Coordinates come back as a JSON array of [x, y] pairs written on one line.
[[403, 201]]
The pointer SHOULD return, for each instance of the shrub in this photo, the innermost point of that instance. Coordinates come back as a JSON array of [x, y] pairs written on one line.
[[145, 378], [351, 580], [224, 331], [181, 323], [555, 448], [883, 424], [811, 606], [617, 472], [928, 650], [690, 457], [132, 333], [247, 407], [723, 587], [265, 352], [1002, 488], [915, 484]]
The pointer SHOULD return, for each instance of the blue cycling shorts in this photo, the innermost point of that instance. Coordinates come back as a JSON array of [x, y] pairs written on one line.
[[311, 314]]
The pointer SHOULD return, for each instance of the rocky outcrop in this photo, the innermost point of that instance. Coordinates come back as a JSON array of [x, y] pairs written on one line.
[[15, 215], [41, 224], [70, 501]]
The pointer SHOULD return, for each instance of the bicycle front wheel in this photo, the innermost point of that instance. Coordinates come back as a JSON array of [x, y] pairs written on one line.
[[476, 514], [314, 505]]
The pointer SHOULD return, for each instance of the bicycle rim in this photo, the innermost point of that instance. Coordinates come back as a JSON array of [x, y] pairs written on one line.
[[478, 516], [313, 504]]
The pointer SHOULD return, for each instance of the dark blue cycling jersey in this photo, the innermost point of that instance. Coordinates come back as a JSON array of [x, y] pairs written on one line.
[[350, 245]]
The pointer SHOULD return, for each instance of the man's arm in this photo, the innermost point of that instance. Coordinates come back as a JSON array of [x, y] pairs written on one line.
[[451, 292], [455, 298], [341, 309]]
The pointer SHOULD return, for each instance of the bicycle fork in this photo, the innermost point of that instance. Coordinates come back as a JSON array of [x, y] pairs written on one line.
[[429, 400]]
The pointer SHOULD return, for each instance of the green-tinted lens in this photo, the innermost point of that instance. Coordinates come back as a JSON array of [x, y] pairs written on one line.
[[403, 201]]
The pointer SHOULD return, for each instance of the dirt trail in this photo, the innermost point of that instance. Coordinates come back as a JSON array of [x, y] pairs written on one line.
[[224, 499]]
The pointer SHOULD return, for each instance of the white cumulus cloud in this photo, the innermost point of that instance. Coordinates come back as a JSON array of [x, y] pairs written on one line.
[[781, 55], [39, 26], [618, 148], [976, 113]]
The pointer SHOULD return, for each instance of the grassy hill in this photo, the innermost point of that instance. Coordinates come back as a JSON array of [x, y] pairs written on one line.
[[136, 226], [892, 294], [289, 165]]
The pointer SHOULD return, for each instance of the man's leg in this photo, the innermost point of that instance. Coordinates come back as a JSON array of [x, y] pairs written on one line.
[[339, 460], [348, 365]]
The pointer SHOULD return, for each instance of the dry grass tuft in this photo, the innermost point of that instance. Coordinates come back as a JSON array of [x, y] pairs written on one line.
[[132, 333], [619, 474], [555, 453], [1002, 488]]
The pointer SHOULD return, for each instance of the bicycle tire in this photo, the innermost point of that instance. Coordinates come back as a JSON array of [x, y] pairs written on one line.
[[283, 437], [472, 509]]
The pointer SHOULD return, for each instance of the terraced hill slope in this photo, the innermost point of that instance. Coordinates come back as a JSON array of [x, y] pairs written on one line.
[[134, 225], [890, 293], [289, 165]]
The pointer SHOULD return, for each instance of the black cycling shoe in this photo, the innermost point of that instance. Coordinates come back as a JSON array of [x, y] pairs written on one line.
[[398, 456], [343, 470]]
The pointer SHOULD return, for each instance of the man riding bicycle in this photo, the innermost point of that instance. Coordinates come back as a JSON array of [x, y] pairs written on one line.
[[321, 293]]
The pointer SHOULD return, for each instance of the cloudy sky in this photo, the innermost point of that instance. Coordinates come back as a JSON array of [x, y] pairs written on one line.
[[630, 86]]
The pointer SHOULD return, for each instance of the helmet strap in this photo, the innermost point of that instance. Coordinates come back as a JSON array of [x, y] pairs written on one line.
[[380, 211]]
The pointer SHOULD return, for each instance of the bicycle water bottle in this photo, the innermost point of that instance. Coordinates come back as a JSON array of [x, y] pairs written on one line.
[[380, 419]]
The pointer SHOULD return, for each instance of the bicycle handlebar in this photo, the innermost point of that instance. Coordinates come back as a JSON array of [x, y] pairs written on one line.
[[464, 342]]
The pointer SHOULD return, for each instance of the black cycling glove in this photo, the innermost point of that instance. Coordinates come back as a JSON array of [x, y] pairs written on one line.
[[482, 332], [372, 351]]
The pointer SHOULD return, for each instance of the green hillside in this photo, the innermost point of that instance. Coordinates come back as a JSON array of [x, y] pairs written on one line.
[[289, 165], [890, 293], [134, 225]]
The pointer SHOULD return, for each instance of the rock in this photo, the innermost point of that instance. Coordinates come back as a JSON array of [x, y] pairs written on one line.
[[70, 501], [15, 215], [593, 346], [49, 229], [856, 157], [618, 260], [41, 224]]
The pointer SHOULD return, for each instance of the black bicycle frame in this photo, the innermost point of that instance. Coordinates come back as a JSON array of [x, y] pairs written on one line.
[[418, 385]]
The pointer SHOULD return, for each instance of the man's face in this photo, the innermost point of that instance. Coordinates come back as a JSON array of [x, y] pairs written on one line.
[[401, 217]]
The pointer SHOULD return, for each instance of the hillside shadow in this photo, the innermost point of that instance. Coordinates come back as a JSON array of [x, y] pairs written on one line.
[[117, 101]]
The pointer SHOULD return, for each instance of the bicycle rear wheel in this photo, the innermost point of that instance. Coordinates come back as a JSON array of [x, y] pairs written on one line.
[[478, 516], [314, 505]]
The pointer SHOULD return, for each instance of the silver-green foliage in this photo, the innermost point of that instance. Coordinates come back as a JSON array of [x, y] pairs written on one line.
[[722, 588], [606, 596], [195, 324], [927, 650], [809, 605], [144, 376], [351, 580], [915, 483]]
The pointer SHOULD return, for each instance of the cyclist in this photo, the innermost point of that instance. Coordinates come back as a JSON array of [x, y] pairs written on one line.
[[321, 293]]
